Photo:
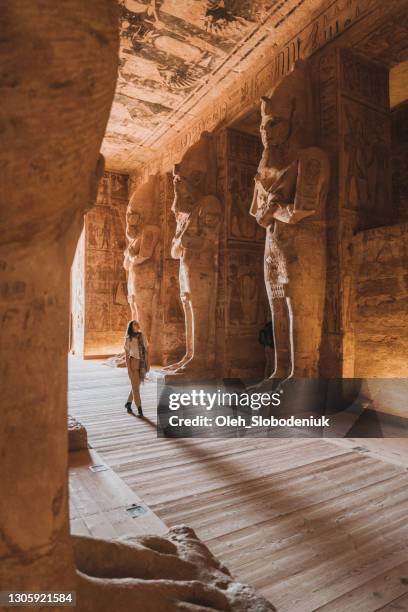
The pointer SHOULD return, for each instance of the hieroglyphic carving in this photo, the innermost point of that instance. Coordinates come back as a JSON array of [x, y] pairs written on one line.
[[77, 321], [354, 129], [241, 183], [388, 44], [364, 123], [366, 160], [244, 152], [241, 300], [363, 81], [106, 307], [328, 25], [289, 200], [245, 291], [327, 86]]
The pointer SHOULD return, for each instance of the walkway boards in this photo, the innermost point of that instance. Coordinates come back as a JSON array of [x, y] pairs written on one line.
[[102, 505], [312, 524]]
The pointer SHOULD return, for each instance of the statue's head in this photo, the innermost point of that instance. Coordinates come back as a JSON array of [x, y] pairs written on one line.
[[134, 224], [194, 176], [141, 207], [275, 128], [287, 114]]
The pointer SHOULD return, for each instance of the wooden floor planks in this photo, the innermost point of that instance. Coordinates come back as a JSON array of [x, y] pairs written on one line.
[[312, 524]]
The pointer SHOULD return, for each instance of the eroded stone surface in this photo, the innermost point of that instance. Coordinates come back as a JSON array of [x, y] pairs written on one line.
[[167, 573], [56, 94], [77, 435]]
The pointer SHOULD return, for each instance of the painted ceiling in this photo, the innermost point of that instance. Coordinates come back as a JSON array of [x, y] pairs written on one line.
[[168, 48]]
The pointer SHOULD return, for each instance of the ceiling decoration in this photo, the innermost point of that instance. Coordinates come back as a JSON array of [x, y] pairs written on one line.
[[168, 48]]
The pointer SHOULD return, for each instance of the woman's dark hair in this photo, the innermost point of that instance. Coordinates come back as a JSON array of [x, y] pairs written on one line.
[[130, 333]]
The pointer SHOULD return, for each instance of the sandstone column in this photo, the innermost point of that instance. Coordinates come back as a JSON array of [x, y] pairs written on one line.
[[56, 87]]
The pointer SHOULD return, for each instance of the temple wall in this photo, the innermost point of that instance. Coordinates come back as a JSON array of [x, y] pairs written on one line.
[[242, 306], [355, 131], [367, 148], [99, 304], [399, 145], [77, 321], [381, 298]]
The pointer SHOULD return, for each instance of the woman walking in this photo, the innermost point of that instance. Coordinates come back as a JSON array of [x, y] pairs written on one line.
[[137, 362]]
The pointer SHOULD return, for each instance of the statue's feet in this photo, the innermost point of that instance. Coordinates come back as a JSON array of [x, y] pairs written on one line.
[[174, 366], [193, 369], [270, 382], [281, 374], [185, 366]]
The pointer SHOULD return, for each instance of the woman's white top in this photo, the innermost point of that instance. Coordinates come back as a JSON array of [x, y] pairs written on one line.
[[132, 347]]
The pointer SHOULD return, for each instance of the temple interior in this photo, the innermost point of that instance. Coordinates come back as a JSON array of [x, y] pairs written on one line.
[[204, 167]]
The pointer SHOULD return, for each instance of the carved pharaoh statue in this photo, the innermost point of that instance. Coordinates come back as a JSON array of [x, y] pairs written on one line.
[[289, 199], [198, 217], [142, 256]]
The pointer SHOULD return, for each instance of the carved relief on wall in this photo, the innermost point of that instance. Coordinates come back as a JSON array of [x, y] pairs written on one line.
[[241, 185], [366, 159], [78, 299], [106, 306], [113, 186], [331, 23], [327, 87], [388, 44], [246, 296], [363, 80], [173, 308], [167, 49]]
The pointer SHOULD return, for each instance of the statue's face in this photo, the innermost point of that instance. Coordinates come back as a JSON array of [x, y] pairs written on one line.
[[188, 183], [274, 130], [133, 224]]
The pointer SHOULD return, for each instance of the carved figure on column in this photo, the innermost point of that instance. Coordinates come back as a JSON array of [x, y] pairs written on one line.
[[142, 256], [290, 193], [198, 216]]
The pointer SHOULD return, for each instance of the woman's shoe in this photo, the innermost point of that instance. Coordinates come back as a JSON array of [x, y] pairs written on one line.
[[139, 412], [128, 407]]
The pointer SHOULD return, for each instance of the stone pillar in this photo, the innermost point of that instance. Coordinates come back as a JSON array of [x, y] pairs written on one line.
[[56, 92], [354, 129]]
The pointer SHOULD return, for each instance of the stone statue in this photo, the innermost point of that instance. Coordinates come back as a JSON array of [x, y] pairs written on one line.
[[290, 193], [198, 216], [142, 256]]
